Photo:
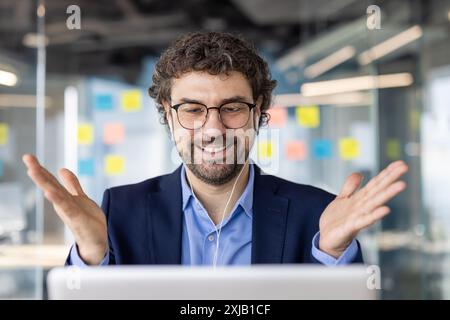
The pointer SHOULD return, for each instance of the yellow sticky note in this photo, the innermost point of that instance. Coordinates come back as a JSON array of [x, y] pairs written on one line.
[[85, 133], [349, 148], [414, 119], [4, 133], [393, 149], [114, 164], [264, 149], [308, 116], [131, 100]]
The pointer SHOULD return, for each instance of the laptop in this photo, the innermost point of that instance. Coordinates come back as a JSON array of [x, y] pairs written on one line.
[[259, 282]]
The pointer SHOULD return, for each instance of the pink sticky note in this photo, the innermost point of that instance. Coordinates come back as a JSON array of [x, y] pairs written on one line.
[[295, 150], [278, 116], [113, 133]]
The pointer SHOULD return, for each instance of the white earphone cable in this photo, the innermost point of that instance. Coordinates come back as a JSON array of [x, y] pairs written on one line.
[[216, 254]]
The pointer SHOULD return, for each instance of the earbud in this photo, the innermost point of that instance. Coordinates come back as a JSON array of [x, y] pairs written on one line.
[[256, 124]]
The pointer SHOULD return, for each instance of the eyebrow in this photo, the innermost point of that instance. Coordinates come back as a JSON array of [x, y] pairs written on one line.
[[223, 101]]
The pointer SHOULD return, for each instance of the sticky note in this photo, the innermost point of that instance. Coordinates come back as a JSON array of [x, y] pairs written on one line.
[[295, 150], [103, 102], [113, 133], [414, 119], [85, 133], [278, 117], [114, 164], [264, 149], [4, 133], [308, 116], [393, 149], [131, 100], [1, 168], [322, 149], [349, 148], [86, 167]]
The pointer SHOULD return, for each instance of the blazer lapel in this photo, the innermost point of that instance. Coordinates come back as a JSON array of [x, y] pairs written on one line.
[[164, 220], [269, 220]]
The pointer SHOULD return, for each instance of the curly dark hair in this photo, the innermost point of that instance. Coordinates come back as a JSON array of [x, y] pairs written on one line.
[[215, 53]]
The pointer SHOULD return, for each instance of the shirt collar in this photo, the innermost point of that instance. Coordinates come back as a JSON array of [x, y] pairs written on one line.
[[245, 201]]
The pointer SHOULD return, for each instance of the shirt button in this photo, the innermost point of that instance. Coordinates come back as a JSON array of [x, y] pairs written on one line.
[[211, 237]]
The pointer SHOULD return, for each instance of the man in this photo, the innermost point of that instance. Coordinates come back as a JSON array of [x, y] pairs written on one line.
[[213, 91]]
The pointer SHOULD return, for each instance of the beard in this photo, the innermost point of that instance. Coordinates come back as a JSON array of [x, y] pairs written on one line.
[[216, 172]]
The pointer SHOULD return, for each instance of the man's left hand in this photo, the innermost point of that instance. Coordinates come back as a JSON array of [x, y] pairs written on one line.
[[354, 210]]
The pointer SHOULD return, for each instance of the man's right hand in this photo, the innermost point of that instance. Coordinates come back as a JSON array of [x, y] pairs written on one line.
[[79, 213]]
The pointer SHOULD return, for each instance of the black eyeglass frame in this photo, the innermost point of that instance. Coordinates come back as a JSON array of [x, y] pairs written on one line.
[[251, 106]]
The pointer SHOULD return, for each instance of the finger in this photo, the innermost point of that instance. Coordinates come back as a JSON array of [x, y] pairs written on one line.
[[384, 196], [369, 219], [383, 174], [42, 180], [351, 184], [33, 164], [30, 161], [71, 182], [388, 180], [53, 190]]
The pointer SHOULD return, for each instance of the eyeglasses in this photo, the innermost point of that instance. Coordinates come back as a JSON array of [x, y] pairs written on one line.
[[233, 115]]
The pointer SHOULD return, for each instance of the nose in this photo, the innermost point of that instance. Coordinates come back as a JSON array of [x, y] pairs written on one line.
[[213, 120]]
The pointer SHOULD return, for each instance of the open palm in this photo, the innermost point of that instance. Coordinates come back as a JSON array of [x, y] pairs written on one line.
[[353, 209]]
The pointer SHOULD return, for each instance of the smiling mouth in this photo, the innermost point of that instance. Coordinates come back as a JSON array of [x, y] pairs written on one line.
[[214, 150]]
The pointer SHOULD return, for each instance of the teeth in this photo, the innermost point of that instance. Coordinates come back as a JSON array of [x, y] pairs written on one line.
[[211, 150]]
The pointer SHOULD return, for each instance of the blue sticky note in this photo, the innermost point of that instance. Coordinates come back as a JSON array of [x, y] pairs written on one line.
[[322, 149], [1, 168], [103, 102], [86, 167]]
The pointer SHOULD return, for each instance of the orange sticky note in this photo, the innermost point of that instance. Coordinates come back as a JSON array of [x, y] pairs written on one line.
[[131, 100], [85, 133], [4, 133], [113, 133], [278, 116], [114, 164], [295, 150], [349, 148], [308, 116]]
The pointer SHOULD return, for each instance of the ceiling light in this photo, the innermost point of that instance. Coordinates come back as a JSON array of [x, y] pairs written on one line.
[[356, 84], [330, 62], [390, 45], [8, 78]]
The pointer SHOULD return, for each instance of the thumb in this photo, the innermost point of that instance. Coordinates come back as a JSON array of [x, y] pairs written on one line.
[[71, 182], [351, 184]]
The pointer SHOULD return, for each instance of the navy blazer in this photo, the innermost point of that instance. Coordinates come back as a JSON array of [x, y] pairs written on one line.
[[145, 220]]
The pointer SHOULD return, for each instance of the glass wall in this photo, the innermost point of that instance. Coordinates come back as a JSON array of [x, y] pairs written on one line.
[[21, 260]]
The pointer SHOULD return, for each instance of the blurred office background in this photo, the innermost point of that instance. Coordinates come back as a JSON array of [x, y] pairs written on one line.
[[78, 98]]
